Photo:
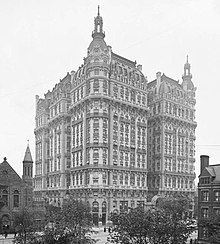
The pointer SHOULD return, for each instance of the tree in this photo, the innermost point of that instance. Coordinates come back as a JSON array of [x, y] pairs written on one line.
[[180, 227], [69, 224], [25, 224], [139, 226], [131, 227], [212, 226], [161, 224]]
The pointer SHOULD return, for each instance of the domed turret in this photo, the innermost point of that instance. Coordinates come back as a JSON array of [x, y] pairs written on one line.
[[98, 27], [98, 36], [187, 77]]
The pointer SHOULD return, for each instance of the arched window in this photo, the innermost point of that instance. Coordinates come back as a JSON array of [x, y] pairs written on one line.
[[5, 197], [104, 207], [16, 199], [95, 207], [5, 220]]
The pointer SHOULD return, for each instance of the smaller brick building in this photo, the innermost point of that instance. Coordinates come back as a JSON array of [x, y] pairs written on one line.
[[15, 192], [208, 194]]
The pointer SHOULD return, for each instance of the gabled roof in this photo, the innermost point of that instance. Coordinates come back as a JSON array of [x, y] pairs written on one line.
[[216, 169], [27, 156], [206, 172], [8, 174], [212, 171]]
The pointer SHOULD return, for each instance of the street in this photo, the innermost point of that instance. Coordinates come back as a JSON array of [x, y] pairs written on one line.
[[8, 240], [101, 236]]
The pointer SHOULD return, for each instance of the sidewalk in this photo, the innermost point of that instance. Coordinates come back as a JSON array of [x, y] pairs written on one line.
[[193, 236], [8, 240], [101, 235]]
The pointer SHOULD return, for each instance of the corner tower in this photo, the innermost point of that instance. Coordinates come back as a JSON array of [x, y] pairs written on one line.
[[98, 27], [98, 51], [171, 136], [187, 77]]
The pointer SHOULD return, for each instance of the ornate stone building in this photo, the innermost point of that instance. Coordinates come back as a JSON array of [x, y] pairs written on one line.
[[171, 135], [15, 192], [91, 133]]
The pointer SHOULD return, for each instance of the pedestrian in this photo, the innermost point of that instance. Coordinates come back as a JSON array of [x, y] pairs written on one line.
[[109, 229], [104, 229], [6, 234], [191, 241]]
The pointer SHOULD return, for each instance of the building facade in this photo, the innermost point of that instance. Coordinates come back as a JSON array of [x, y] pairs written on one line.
[[208, 195], [15, 192], [92, 133], [171, 135]]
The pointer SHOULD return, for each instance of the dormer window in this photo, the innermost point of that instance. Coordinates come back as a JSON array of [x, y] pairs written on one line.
[[204, 180]]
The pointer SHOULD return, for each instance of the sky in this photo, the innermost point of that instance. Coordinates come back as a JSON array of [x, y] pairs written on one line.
[[42, 40]]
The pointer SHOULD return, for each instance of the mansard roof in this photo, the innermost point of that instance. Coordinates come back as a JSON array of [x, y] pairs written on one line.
[[170, 80], [152, 83], [131, 63]]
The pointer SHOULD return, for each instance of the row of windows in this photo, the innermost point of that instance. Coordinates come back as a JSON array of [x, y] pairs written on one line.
[[205, 196], [173, 90], [5, 197], [95, 207], [173, 109], [129, 95], [178, 183], [128, 76], [204, 180], [117, 179], [53, 165], [205, 212], [53, 181]]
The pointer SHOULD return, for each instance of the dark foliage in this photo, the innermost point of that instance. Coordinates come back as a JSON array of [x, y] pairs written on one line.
[[162, 224], [69, 224], [212, 226]]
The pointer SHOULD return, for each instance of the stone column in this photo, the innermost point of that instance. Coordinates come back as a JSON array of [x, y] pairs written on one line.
[[84, 110], [44, 159], [62, 159]]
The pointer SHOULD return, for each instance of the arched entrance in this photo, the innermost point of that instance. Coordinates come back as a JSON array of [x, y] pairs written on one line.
[[95, 213], [104, 210], [5, 222]]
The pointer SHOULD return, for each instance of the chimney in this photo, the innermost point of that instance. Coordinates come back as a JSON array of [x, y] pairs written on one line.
[[158, 75], [36, 100], [72, 75], [139, 67], [204, 162]]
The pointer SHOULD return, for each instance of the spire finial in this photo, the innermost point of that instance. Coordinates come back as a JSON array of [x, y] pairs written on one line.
[[187, 59], [98, 10], [28, 143]]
